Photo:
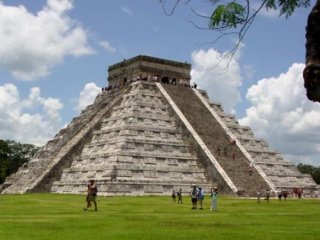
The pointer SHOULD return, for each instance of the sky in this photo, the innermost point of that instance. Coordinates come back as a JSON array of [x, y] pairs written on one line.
[[54, 56]]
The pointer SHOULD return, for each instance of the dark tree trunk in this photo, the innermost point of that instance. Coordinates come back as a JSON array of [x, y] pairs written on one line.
[[311, 73]]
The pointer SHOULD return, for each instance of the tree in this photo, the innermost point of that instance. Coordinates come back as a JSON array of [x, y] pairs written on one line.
[[311, 73], [13, 155], [236, 17], [4, 156], [309, 169]]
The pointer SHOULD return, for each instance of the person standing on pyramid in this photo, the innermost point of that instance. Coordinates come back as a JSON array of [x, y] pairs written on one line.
[[92, 195]]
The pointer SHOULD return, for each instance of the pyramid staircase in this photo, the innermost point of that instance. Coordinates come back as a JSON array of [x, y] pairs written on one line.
[[246, 179]]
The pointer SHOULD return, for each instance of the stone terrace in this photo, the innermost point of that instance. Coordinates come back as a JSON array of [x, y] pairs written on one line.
[[138, 150]]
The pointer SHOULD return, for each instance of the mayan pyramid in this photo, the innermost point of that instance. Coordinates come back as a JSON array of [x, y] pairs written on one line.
[[148, 133]]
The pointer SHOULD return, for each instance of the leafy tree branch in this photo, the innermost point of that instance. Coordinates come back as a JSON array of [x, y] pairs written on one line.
[[236, 17]]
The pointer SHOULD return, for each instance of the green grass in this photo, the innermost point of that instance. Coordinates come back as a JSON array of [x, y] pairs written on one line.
[[49, 216]]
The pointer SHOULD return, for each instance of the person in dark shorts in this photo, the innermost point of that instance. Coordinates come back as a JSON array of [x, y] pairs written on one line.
[[194, 196], [179, 193], [258, 196], [285, 195], [173, 195], [280, 195], [267, 195], [92, 195]]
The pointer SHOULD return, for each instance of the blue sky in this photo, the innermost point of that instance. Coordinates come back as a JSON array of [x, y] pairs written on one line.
[[54, 56]]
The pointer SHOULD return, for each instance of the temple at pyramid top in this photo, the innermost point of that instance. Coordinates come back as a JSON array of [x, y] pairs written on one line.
[[149, 68], [149, 132]]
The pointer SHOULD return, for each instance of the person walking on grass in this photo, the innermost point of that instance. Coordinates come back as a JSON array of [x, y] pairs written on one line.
[[214, 199], [267, 195], [173, 195], [92, 195], [285, 195], [179, 193], [258, 196]]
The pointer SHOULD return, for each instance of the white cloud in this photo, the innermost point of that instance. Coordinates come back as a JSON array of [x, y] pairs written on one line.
[[19, 122], [248, 71], [60, 5], [31, 44], [87, 96], [281, 114], [52, 107], [107, 46], [127, 11], [208, 71]]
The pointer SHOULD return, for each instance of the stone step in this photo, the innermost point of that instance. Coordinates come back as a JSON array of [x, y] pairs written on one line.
[[128, 158]]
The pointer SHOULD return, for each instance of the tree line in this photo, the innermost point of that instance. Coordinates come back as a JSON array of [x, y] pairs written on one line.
[[312, 170], [13, 155]]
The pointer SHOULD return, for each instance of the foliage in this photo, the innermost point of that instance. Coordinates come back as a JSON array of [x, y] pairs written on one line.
[[240, 14], [287, 7], [228, 15], [232, 14], [13, 155], [50, 216], [309, 169]]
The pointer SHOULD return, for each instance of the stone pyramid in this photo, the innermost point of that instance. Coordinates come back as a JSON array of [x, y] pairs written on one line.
[[148, 133]]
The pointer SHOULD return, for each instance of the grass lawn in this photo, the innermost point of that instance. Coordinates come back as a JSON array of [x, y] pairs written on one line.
[[50, 216]]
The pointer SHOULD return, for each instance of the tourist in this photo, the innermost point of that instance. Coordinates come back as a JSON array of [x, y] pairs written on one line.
[[258, 196], [174, 81], [285, 195], [214, 198], [87, 197], [232, 141], [92, 195], [194, 196], [179, 193], [201, 197], [194, 85], [267, 195], [173, 195], [280, 195], [251, 169], [225, 151], [300, 191], [219, 151]]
